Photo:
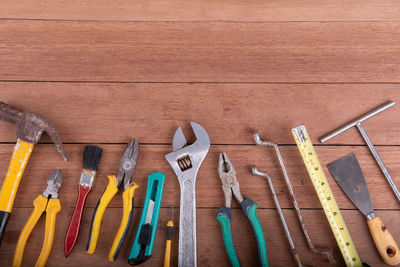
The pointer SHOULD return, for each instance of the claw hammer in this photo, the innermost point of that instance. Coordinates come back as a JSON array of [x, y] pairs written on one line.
[[30, 128]]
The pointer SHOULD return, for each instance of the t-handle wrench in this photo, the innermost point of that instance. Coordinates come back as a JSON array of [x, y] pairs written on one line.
[[186, 161], [371, 147]]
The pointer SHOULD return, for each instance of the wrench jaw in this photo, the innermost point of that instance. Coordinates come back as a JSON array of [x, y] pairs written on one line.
[[179, 140], [186, 160]]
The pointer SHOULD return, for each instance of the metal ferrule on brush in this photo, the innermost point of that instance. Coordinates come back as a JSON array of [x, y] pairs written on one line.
[[87, 178]]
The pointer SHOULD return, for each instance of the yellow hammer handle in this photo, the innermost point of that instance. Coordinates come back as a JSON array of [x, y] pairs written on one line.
[[127, 199], [167, 257], [39, 205], [111, 190], [384, 241], [53, 207], [20, 157]]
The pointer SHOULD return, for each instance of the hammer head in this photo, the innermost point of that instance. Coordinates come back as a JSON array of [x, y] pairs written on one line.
[[30, 126]]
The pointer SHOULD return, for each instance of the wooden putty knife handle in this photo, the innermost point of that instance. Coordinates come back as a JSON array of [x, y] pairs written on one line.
[[384, 241]]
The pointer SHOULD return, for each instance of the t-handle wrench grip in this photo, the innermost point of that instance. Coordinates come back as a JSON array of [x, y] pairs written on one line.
[[187, 224]]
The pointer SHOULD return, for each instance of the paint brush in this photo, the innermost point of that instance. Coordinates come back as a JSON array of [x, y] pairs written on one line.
[[91, 160]]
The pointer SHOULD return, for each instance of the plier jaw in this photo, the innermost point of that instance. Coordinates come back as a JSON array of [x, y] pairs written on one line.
[[53, 184], [128, 163], [227, 174]]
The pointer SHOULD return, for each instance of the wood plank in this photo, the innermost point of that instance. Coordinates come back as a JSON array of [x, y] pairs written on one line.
[[211, 250], [277, 52], [113, 113], [191, 10], [208, 188]]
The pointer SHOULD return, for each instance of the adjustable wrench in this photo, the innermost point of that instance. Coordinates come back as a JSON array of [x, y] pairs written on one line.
[[186, 161]]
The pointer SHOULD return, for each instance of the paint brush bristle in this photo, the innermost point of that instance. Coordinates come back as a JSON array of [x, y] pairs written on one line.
[[91, 157]]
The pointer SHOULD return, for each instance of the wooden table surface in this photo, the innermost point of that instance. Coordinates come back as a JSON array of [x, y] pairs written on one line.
[[107, 71]]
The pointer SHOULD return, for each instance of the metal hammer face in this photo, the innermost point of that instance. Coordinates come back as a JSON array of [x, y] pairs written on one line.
[[30, 126]]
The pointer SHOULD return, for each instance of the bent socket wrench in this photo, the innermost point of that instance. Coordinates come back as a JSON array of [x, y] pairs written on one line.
[[186, 161], [296, 257], [328, 253]]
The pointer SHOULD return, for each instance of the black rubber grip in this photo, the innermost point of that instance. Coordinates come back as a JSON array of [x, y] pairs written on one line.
[[170, 231], [4, 216], [91, 225], [125, 232], [144, 240], [145, 234]]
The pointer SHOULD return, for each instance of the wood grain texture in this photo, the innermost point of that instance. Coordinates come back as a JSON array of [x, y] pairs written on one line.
[[276, 52], [114, 113], [192, 10]]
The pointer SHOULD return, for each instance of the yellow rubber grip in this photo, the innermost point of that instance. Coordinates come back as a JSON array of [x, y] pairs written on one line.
[[21, 153], [167, 257], [111, 190], [39, 205], [53, 207], [127, 199]]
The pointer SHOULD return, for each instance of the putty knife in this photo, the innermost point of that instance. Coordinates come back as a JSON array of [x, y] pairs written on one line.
[[349, 176]]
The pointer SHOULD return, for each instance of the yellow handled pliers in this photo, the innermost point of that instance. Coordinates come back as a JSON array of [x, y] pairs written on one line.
[[125, 173], [47, 202]]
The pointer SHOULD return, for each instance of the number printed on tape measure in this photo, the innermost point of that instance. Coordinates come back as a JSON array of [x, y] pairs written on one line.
[[325, 195]]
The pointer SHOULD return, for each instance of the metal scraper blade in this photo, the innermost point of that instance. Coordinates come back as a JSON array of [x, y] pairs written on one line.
[[349, 176]]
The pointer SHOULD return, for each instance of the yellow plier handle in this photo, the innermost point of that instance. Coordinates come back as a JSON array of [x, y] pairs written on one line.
[[39, 204], [53, 207], [108, 194], [127, 211]]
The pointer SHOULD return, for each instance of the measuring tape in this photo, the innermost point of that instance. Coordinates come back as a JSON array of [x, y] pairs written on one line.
[[324, 192]]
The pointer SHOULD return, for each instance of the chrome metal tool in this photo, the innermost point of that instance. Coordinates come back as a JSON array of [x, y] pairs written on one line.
[[328, 253], [296, 257], [371, 147], [186, 161], [349, 176]]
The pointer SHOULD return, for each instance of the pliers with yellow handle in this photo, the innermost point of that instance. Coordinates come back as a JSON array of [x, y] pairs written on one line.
[[125, 173], [47, 202]]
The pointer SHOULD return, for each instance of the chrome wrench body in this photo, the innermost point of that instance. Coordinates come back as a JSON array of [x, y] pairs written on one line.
[[186, 161]]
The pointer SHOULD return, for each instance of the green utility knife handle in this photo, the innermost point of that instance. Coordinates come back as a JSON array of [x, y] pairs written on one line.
[[249, 208], [224, 216], [155, 181]]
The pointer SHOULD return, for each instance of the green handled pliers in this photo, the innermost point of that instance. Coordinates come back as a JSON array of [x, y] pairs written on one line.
[[230, 184]]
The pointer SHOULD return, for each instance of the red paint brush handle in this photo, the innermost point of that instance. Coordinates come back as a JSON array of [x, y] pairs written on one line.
[[74, 224]]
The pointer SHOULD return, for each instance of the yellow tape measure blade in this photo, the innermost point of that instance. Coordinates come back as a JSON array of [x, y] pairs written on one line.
[[325, 195]]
